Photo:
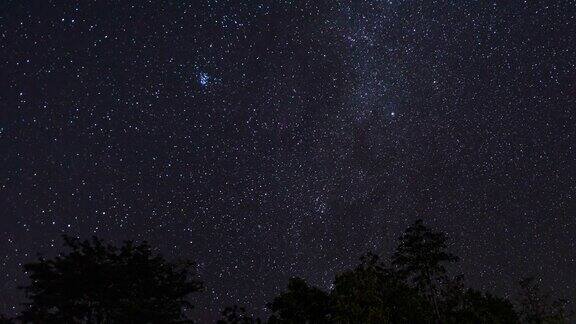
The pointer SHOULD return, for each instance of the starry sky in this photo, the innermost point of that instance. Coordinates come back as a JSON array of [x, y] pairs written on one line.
[[269, 139]]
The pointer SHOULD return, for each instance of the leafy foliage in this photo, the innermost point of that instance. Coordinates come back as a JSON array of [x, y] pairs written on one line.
[[373, 294], [237, 315], [415, 289], [98, 283], [300, 304], [421, 255], [538, 307]]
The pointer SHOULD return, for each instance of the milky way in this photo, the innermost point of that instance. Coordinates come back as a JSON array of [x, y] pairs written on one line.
[[270, 139]]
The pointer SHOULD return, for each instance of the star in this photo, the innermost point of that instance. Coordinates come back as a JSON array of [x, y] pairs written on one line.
[[203, 79], [324, 117]]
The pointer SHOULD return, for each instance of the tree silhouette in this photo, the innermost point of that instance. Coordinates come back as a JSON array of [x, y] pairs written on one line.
[[464, 305], [478, 307], [373, 294], [420, 257], [99, 283], [237, 315], [300, 304], [415, 290], [538, 307]]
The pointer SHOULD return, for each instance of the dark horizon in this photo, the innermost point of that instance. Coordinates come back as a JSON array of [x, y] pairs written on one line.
[[270, 139]]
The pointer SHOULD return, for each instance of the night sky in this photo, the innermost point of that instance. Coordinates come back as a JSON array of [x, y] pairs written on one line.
[[270, 139]]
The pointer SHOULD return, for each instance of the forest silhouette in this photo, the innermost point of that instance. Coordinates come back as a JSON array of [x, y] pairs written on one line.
[[97, 282]]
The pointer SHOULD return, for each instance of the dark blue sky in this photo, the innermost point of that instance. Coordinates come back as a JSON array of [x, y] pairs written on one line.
[[269, 139]]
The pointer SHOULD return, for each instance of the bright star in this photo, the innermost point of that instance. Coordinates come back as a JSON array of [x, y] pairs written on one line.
[[203, 78]]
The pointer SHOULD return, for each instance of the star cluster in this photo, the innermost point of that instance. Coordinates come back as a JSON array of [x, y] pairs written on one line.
[[270, 139]]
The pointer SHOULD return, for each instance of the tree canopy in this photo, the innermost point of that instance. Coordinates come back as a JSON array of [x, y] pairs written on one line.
[[99, 283], [96, 282], [414, 288]]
